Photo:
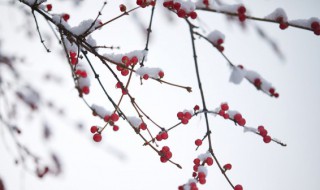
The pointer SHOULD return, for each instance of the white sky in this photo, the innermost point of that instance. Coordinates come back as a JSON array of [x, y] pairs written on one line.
[[120, 162]]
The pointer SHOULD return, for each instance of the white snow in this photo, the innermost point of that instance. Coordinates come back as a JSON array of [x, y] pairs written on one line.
[[101, 111], [279, 12]]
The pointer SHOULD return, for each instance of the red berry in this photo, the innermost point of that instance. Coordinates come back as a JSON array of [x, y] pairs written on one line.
[[134, 60], [241, 122], [85, 90], [163, 159], [139, 2], [66, 17], [241, 10], [49, 7], [97, 137], [242, 17], [114, 117], [198, 142], [219, 41], [202, 180], [158, 137], [201, 175], [145, 76], [220, 48], [125, 59], [193, 15], [176, 6], [257, 82], [123, 8], [224, 106], [315, 25], [118, 85], [143, 126], [283, 25], [164, 135], [227, 167], [161, 74], [267, 139], [238, 187], [276, 95], [221, 113], [165, 149], [94, 129], [272, 91], [168, 155], [209, 161], [125, 72], [181, 13], [184, 121], [237, 117], [196, 161], [226, 116], [195, 168], [180, 115], [317, 32], [187, 115], [115, 128], [196, 108]]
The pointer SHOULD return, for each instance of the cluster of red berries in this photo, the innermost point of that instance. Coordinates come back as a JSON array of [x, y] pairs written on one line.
[[184, 117], [283, 24], [237, 117], [197, 162], [123, 8], [162, 136], [218, 44], [73, 58], [241, 13], [257, 82], [145, 3], [273, 92], [182, 13], [222, 112], [160, 74], [120, 85], [49, 7], [315, 26], [126, 62], [192, 186], [165, 154], [81, 73], [97, 133], [264, 133]]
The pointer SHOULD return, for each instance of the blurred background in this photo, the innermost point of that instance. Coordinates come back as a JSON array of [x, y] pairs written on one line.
[[120, 161]]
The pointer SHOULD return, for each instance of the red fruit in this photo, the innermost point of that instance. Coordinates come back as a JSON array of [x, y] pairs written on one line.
[[168, 155], [187, 115], [176, 6], [134, 60], [193, 15], [224, 106], [237, 117], [194, 174], [163, 159], [181, 13], [83, 74], [85, 90], [184, 121], [49, 7], [241, 122], [165, 149], [257, 82], [283, 25], [221, 113], [195, 168], [276, 95], [125, 59], [201, 175], [202, 180], [94, 129], [241, 10], [97, 137], [209, 161], [219, 41], [227, 167], [180, 115], [315, 25], [139, 2], [143, 126], [166, 4], [226, 116], [106, 118], [317, 32], [66, 17], [164, 135], [267, 139], [196, 161], [272, 91], [114, 117], [220, 48], [125, 72], [158, 137], [145, 76], [196, 108], [153, 3], [238, 187], [123, 8], [161, 74], [198, 142], [242, 17], [118, 85], [115, 128]]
